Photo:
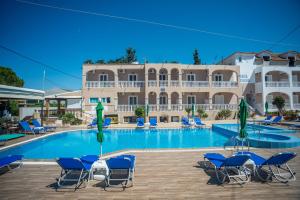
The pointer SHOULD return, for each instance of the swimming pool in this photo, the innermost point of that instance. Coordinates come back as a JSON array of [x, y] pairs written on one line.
[[83, 142], [260, 136]]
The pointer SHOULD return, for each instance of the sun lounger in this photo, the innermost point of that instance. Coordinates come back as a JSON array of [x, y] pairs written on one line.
[[276, 166], [93, 123], [198, 122], [106, 122], [69, 168], [140, 122], [8, 160], [153, 122], [185, 122], [121, 170], [27, 129], [37, 124], [268, 118], [276, 120], [231, 168]]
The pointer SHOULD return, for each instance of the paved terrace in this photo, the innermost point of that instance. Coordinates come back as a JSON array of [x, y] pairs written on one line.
[[159, 175]]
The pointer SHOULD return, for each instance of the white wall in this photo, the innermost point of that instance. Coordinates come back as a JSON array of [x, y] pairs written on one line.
[[246, 67]]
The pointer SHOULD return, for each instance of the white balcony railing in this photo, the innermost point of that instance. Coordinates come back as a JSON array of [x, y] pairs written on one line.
[[277, 84], [152, 83], [195, 83], [163, 83], [99, 84], [175, 107], [152, 107], [163, 107], [296, 83], [124, 84], [175, 83], [296, 106], [197, 106], [128, 108], [224, 106], [224, 84], [273, 107]]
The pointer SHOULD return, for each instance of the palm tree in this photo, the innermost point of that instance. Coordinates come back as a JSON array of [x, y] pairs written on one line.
[[188, 110]]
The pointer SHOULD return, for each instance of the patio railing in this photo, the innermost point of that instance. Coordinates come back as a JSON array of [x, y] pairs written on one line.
[[224, 84], [277, 84], [195, 83]]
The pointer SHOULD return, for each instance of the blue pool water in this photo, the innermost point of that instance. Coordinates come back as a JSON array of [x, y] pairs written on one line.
[[260, 136], [82, 142]]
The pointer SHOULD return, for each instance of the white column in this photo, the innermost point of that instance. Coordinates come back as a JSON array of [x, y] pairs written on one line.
[[290, 94], [169, 102], [290, 76], [180, 101], [157, 102], [116, 103]]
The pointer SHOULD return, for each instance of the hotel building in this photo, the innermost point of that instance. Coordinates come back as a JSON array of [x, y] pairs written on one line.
[[265, 75], [166, 88]]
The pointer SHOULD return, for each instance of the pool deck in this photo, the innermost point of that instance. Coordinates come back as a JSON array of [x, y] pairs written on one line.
[[159, 175]]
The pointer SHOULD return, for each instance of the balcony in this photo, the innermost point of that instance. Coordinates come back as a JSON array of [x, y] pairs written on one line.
[[175, 107], [297, 106], [163, 107], [195, 83], [152, 107], [225, 84], [152, 83], [197, 106], [135, 84], [296, 83], [99, 84], [277, 84], [163, 83], [128, 108], [224, 106], [175, 83]]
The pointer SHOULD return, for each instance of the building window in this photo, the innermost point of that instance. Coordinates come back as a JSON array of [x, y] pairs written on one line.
[[191, 99], [291, 61], [266, 58], [190, 77], [243, 76], [94, 100], [108, 100], [133, 100], [132, 77], [162, 77], [218, 77], [103, 100], [103, 77], [163, 100], [240, 59]]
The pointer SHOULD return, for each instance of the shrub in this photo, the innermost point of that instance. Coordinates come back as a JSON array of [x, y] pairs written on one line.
[[69, 118], [188, 110], [223, 114], [139, 112], [202, 113]]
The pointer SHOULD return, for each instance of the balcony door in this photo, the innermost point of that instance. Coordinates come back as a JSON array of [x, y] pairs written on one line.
[[133, 100], [103, 77], [268, 78], [190, 77], [219, 99], [218, 77], [163, 100], [191, 100], [132, 77], [162, 77]]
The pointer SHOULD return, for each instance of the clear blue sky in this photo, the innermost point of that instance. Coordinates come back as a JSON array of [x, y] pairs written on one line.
[[65, 39]]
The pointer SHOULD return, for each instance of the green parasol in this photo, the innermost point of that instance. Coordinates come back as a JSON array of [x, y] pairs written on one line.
[[266, 107], [100, 136], [243, 119], [147, 110]]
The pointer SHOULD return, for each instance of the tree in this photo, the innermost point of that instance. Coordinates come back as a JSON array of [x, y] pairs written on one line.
[[188, 110], [279, 102], [197, 60], [88, 61], [130, 56], [101, 61], [9, 77], [139, 112]]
